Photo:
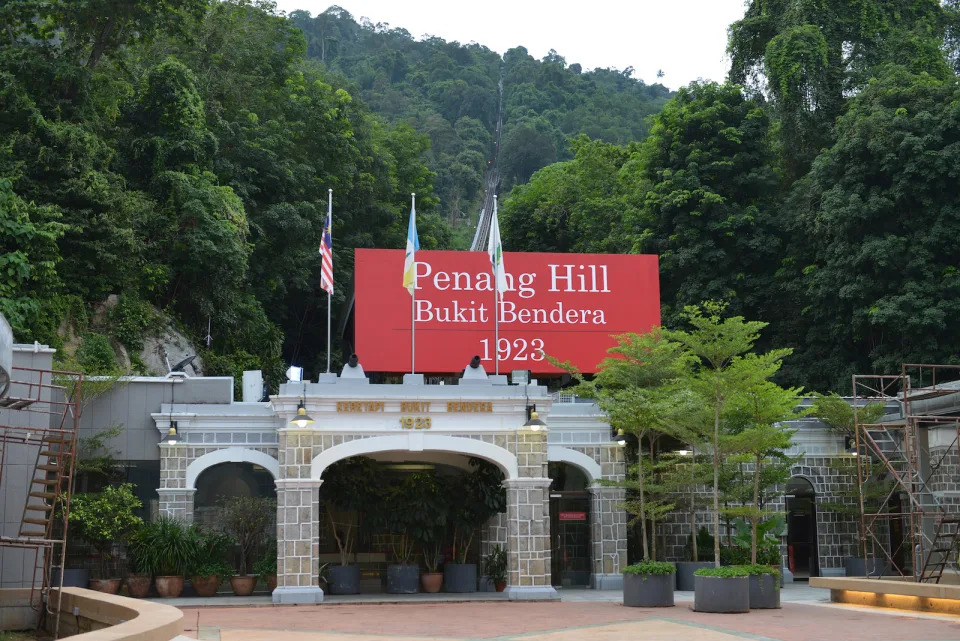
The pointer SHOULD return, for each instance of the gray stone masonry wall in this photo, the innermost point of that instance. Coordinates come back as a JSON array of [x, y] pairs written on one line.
[[298, 512], [945, 485], [176, 499], [836, 530], [528, 532]]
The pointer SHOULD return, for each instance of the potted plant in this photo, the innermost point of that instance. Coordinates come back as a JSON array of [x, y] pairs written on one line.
[[412, 510], [432, 580], [686, 569], [164, 549], [349, 488], [208, 567], [103, 519], [477, 497], [648, 584], [764, 586], [495, 565], [246, 519], [266, 567], [723, 590]]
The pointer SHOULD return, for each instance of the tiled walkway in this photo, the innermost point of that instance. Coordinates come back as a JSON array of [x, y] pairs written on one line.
[[580, 616]]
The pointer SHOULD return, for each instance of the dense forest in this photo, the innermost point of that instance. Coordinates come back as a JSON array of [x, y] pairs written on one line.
[[451, 93], [174, 156]]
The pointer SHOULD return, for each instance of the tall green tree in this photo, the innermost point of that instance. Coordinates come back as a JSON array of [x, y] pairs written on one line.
[[725, 367], [703, 198]]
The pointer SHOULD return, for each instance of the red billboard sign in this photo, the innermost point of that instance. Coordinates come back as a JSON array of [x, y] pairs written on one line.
[[573, 516], [564, 305]]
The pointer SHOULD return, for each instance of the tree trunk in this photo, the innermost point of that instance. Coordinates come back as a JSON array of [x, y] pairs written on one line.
[[756, 513], [653, 520], [643, 513], [716, 484], [693, 502]]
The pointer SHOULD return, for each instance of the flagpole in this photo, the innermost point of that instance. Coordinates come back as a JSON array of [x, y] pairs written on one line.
[[413, 304], [496, 307], [329, 294]]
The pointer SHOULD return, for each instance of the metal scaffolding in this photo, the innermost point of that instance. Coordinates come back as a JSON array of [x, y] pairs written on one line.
[[906, 523], [39, 417]]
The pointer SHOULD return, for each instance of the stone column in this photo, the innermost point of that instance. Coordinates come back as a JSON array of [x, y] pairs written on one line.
[[494, 533], [298, 521], [528, 539], [176, 499], [608, 537]]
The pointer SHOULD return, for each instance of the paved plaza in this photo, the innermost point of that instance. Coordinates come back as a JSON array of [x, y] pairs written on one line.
[[579, 616]]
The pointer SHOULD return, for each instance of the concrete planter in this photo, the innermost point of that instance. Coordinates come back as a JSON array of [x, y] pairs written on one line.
[[460, 577], [685, 570], [764, 592], [721, 594], [343, 579], [271, 580], [403, 579], [648, 590], [855, 566]]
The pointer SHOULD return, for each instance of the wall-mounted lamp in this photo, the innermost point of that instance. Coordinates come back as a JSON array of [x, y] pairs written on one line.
[[533, 421], [621, 438], [302, 419], [172, 438]]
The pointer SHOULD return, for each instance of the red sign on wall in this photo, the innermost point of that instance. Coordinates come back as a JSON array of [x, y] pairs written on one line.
[[573, 516], [564, 305]]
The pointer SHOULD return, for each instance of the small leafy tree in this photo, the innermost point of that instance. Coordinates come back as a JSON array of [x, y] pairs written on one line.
[[476, 497], [760, 412], [246, 519], [105, 518], [682, 475], [722, 370], [634, 386], [349, 489]]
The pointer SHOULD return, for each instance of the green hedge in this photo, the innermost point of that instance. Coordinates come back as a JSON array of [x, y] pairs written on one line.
[[724, 572], [650, 567]]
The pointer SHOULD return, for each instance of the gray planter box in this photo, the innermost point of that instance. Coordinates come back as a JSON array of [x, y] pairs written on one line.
[[721, 594], [648, 590], [855, 566], [343, 579], [403, 579], [460, 577], [685, 570], [764, 592]]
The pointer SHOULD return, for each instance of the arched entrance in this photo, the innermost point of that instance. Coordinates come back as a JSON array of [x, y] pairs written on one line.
[[227, 480], [802, 555], [570, 540]]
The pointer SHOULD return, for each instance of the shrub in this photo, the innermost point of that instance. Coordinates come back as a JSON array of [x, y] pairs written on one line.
[[105, 518], [650, 567], [164, 548], [757, 568], [95, 355], [724, 572], [129, 319]]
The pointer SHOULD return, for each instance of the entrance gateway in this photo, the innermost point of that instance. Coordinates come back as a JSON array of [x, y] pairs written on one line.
[[480, 417]]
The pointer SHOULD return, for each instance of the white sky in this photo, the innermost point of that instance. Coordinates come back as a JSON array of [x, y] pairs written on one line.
[[685, 38]]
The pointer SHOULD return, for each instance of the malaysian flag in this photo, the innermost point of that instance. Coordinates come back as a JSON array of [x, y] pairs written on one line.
[[326, 249]]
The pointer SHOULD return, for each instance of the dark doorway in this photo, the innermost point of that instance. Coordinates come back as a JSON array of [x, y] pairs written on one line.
[[802, 556], [569, 526]]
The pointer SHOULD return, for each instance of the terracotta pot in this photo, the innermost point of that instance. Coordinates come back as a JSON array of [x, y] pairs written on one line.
[[271, 582], [107, 586], [243, 585], [138, 585], [206, 586], [431, 581], [500, 587], [169, 586]]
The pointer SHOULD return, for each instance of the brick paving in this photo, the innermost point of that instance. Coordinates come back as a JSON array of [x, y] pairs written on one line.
[[559, 621]]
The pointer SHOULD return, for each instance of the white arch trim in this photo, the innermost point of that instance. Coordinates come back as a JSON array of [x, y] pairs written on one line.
[[231, 455], [581, 460], [416, 442]]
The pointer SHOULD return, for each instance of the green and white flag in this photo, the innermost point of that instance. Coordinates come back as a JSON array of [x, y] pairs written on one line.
[[495, 250]]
